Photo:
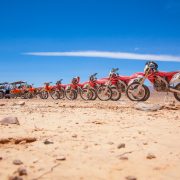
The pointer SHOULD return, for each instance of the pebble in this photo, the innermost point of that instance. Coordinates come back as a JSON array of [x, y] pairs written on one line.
[[48, 142], [131, 178], [17, 162], [150, 156], [122, 145], [110, 143], [123, 158], [22, 171], [61, 158], [21, 103], [74, 135]]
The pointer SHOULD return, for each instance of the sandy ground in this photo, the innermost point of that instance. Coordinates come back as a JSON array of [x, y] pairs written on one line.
[[86, 138]]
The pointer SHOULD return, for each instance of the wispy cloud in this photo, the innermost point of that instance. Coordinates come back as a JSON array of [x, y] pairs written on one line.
[[111, 55]]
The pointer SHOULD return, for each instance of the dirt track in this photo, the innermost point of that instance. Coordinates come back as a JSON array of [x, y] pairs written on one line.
[[90, 140]]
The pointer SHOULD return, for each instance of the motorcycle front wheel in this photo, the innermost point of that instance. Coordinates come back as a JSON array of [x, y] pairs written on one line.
[[71, 94], [86, 94], [137, 92], [44, 94], [94, 97], [104, 93], [177, 95], [61, 94], [54, 94], [116, 95]]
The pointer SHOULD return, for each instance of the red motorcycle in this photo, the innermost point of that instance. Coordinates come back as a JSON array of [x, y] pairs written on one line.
[[61, 88], [49, 90], [161, 81], [32, 92], [72, 90], [98, 88], [118, 84]]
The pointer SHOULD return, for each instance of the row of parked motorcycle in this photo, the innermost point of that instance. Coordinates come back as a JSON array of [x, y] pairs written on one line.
[[109, 88]]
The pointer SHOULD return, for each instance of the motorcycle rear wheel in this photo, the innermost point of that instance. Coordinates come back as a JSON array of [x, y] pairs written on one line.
[[177, 95]]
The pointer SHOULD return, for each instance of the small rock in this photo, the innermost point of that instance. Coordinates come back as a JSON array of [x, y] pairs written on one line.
[[131, 178], [17, 162], [21, 103], [123, 158], [61, 158], [145, 143], [2, 104], [74, 135], [147, 107], [1, 158], [15, 178], [110, 143], [22, 171], [48, 142], [9, 120], [150, 156], [122, 145]]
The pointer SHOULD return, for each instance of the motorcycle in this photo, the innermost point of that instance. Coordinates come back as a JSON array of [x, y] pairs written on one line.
[[161, 81], [61, 88], [72, 90], [49, 90], [31, 92], [96, 87]]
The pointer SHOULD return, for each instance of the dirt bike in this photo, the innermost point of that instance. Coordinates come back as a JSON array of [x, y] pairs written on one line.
[[61, 88], [96, 87], [72, 90], [161, 81], [49, 90], [119, 83], [31, 92]]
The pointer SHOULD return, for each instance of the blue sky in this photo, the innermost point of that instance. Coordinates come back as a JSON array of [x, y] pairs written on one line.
[[132, 26]]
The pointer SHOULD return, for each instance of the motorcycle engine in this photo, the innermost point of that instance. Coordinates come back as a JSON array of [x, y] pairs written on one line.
[[159, 85]]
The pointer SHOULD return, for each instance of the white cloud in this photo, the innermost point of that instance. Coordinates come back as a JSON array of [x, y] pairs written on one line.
[[111, 55]]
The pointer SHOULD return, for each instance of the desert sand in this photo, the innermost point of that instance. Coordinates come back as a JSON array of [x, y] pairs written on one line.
[[90, 140]]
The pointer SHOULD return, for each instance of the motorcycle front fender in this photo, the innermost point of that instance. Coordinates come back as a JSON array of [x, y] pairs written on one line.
[[135, 80]]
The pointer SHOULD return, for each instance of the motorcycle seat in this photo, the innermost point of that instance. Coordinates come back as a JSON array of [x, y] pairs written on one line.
[[167, 74]]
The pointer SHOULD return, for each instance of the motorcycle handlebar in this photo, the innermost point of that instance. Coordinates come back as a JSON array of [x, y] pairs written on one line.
[[114, 70]]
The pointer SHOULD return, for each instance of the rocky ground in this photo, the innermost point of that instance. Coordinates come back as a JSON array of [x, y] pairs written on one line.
[[90, 140]]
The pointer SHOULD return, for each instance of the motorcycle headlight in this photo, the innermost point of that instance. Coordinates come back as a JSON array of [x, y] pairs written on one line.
[[68, 87], [146, 68], [86, 85]]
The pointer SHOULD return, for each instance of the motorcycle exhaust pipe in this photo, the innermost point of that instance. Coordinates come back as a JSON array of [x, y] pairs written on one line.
[[174, 90]]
